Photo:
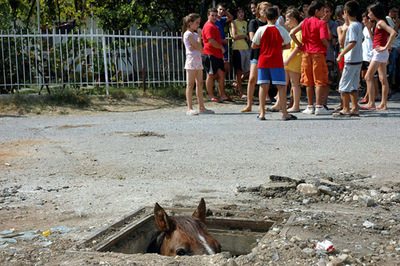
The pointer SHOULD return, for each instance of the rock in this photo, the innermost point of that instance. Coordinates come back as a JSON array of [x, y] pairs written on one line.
[[355, 198], [309, 252], [385, 189], [278, 178], [326, 190], [306, 201], [368, 224], [395, 197], [308, 189]]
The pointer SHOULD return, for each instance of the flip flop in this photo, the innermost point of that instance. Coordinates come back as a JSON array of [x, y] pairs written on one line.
[[227, 99], [340, 114], [262, 118], [290, 117], [367, 108], [273, 110], [355, 114]]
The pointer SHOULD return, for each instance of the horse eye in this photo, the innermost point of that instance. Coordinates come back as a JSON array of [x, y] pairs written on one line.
[[181, 252]]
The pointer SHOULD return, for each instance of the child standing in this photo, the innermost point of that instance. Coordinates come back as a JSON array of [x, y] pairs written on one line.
[[193, 64], [383, 37], [314, 70], [271, 39], [352, 53], [292, 60]]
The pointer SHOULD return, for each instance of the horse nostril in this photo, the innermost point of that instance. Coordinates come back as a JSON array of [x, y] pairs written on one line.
[[181, 252]]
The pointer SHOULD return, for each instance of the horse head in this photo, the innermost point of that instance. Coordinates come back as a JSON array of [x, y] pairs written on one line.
[[184, 235]]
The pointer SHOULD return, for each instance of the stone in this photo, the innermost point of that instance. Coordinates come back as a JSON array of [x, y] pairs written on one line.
[[309, 252], [355, 198], [278, 178], [326, 190], [368, 224], [308, 189]]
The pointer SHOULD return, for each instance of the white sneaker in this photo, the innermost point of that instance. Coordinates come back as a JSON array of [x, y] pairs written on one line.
[[309, 110], [192, 112], [207, 112], [322, 111]]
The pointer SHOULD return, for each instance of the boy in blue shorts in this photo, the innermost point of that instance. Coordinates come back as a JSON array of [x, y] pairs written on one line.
[[352, 53], [271, 39]]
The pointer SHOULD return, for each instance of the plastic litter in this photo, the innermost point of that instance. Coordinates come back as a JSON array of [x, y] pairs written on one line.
[[326, 246]]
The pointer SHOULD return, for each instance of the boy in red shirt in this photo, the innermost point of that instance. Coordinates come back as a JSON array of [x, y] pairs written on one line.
[[214, 53], [314, 70], [271, 39]]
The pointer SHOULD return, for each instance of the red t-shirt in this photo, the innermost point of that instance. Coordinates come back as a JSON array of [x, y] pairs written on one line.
[[270, 38], [314, 30], [211, 31]]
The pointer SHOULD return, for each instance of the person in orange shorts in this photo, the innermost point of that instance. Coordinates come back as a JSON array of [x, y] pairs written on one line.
[[314, 71]]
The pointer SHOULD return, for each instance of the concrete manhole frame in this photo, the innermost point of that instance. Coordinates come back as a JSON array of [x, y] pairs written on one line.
[[237, 231]]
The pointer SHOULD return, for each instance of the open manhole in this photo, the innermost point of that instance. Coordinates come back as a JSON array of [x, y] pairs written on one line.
[[237, 234]]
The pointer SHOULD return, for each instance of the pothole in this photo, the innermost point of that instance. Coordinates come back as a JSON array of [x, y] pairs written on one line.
[[238, 234]]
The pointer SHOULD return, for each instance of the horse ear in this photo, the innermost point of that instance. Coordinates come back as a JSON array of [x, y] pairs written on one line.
[[163, 222], [200, 212]]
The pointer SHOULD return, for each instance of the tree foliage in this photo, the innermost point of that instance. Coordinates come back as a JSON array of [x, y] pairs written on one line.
[[121, 14]]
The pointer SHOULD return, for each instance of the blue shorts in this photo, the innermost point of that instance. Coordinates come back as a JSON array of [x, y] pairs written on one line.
[[275, 76], [253, 61]]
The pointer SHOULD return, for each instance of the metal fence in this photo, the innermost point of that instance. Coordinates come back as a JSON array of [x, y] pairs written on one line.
[[90, 59]]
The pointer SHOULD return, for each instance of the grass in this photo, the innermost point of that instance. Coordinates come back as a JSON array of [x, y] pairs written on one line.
[[83, 98]]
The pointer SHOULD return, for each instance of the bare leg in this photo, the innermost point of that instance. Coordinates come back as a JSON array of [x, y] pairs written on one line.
[[354, 102], [295, 81], [251, 87], [282, 102], [239, 74], [221, 83], [210, 85], [385, 86], [190, 78], [263, 92], [310, 96], [199, 89], [369, 78], [345, 102]]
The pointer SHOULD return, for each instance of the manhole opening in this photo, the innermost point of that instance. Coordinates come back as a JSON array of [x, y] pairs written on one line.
[[133, 234]]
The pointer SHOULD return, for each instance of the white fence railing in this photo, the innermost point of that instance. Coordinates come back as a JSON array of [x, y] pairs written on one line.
[[90, 59]]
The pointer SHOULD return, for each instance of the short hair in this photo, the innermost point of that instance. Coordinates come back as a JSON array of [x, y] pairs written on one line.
[[211, 10], [260, 6], [221, 5], [314, 6], [272, 13], [352, 8]]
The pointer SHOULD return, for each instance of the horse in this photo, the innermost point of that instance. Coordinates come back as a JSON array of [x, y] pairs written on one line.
[[182, 235]]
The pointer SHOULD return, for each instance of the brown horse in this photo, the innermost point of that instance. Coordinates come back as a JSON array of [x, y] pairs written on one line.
[[183, 235]]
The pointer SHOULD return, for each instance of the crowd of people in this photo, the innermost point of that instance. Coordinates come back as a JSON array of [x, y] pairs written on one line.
[[316, 46]]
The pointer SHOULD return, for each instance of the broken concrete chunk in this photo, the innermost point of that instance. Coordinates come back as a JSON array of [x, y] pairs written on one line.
[[308, 189], [278, 178], [326, 190]]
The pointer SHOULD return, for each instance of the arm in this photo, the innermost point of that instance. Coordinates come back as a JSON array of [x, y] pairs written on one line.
[[235, 36], [215, 44], [229, 16], [341, 30], [346, 49], [291, 55], [293, 35], [196, 44], [381, 24]]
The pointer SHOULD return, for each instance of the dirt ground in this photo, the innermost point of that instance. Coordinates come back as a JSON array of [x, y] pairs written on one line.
[[68, 173]]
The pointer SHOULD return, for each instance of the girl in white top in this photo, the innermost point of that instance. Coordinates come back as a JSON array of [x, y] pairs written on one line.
[[193, 63]]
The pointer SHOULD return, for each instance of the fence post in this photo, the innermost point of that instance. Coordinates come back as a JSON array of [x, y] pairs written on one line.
[[103, 39]]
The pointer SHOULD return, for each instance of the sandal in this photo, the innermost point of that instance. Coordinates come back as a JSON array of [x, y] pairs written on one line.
[[289, 117], [215, 99], [341, 114], [367, 108], [273, 110], [262, 118]]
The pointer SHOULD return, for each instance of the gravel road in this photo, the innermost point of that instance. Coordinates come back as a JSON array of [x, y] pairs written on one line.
[[102, 165]]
